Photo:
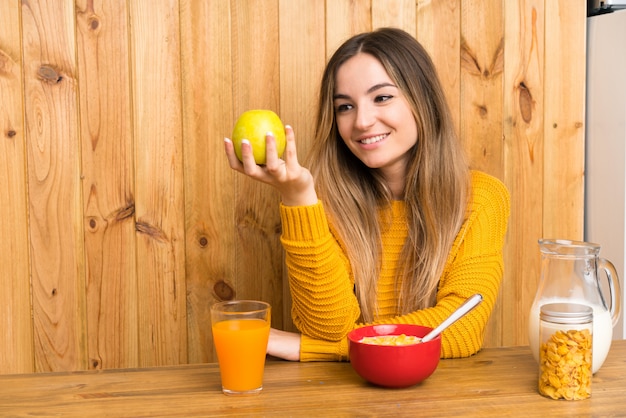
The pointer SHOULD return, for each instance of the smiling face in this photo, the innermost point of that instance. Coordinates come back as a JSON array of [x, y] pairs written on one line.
[[373, 117]]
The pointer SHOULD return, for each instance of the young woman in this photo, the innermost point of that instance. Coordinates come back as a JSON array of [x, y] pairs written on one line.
[[388, 224]]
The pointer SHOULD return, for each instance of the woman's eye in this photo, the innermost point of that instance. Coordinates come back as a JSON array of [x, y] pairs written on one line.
[[343, 108], [383, 98]]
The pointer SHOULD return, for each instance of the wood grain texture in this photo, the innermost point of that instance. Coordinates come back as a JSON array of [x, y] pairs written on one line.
[[55, 213], [497, 382], [395, 13], [300, 74], [439, 31], [523, 163], [258, 266], [159, 199], [108, 183], [564, 148], [208, 117], [482, 60], [481, 99], [345, 18], [16, 333], [120, 218]]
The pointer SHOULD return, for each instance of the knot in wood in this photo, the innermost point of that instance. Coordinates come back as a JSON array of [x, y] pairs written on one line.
[[49, 74], [525, 103], [94, 23], [223, 290]]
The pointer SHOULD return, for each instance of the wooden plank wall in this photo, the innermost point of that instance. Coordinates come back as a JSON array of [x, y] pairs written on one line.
[[120, 221]]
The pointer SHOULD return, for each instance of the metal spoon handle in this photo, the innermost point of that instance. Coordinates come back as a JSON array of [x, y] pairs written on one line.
[[467, 306]]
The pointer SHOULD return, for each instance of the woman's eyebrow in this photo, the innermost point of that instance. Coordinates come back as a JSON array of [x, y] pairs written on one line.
[[379, 86], [340, 96], [370, 90]]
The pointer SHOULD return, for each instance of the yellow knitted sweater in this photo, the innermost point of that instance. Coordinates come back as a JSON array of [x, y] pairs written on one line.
[[325, 308]]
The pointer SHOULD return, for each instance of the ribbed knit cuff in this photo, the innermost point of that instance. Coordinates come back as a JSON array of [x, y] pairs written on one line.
[[303, 222], [319, 350]]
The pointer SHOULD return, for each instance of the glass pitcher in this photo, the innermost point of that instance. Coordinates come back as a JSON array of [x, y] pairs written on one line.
[[569, 273]]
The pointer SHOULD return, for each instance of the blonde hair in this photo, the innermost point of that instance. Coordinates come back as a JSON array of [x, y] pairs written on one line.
[[355, 196]]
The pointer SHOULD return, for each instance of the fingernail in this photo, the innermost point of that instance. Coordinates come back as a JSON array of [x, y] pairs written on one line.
[[245, 141], [288, 127], [269, 133], [227, 140]]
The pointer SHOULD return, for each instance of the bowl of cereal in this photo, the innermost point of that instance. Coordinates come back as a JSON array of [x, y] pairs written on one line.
[[393, 355]]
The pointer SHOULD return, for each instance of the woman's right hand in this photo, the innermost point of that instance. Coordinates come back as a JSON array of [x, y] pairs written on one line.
[[293, 182]]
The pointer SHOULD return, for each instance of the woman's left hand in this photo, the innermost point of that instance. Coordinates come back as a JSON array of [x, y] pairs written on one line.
[[284, 345]]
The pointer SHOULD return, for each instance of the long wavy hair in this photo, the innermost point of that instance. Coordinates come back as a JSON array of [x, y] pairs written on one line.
[[355, 196]]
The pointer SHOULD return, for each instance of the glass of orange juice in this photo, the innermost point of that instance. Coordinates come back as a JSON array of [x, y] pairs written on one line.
[[241, 329]]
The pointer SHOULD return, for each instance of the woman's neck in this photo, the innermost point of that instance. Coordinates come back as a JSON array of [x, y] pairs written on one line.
[[395, 177], [395, 181]]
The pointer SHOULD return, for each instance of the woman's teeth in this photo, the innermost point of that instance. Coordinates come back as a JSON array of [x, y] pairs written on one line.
[[373, 139]]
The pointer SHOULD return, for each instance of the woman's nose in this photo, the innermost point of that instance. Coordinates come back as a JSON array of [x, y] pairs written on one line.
[[365, 117]]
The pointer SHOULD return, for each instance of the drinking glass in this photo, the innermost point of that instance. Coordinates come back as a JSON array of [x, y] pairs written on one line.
[[241, 330]]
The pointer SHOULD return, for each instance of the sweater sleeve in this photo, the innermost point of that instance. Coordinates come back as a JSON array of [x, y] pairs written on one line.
[[324, 306]]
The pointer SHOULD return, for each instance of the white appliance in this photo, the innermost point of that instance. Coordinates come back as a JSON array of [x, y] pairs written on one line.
[[613, 3], [605, 160]]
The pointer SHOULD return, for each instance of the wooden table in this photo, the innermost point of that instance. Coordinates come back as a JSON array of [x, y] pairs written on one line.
[[495, 382]]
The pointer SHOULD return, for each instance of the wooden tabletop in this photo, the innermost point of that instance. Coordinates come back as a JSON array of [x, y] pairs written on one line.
[[496, 382]]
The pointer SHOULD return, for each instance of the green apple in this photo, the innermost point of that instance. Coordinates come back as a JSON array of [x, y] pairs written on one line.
[[253, 125]]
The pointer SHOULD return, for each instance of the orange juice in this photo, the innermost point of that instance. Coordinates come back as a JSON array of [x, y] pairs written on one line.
[[241, 345]]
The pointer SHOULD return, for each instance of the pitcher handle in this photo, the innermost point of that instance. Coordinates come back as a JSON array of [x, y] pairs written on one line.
[[614, 288]]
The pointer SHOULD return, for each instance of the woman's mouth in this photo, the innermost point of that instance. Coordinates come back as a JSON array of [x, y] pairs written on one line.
[[373, 139]]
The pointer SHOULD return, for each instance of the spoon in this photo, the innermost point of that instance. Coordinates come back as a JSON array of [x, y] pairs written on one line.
[[467, 306]]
